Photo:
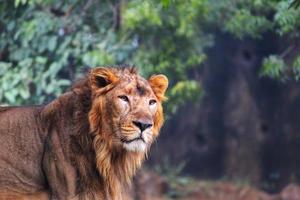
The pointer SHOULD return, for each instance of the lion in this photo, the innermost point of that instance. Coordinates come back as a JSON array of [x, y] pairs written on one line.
[[87, 143]]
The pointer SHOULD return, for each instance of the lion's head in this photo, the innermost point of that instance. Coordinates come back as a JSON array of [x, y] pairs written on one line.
[[125, 117], [133, 110]]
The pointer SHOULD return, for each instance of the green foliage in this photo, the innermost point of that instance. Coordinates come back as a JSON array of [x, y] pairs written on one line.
[[44, 44], [47, 43], [243, 23], [43, 47], [253, 19], [184, 91], [168, 39], [286, 19], [273, 66], [142, 12], [296, 68]]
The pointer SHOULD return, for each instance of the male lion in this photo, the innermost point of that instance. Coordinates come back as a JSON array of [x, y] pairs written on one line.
[[86, 143]]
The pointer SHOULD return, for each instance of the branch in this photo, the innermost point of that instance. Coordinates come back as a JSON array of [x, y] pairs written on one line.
[[287, 51], [116, 10]]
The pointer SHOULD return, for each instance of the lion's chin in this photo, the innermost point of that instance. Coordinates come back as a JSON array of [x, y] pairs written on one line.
[[137, 146]]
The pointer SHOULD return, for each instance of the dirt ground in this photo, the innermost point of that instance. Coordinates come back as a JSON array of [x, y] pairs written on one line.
[[150, 186]]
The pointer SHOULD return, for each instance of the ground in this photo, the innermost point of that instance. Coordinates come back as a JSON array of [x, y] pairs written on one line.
[[148, 185]]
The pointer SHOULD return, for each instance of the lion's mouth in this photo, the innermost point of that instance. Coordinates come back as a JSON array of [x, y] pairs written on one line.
[[124, 140]]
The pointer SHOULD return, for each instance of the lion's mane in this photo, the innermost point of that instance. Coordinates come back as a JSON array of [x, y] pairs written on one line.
[[114, 166]]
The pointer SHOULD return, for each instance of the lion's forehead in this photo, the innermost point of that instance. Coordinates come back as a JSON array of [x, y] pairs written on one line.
[[135, 85]]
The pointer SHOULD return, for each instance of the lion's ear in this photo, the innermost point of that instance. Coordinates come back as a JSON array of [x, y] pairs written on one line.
[[102, 77], [159, 84]]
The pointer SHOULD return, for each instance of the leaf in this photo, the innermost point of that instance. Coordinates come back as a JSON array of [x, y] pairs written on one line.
[[4, 67], [273, 66], [10, 96], [64, 82], [24, 92], [41, 60], [54, 69], [52, 43]]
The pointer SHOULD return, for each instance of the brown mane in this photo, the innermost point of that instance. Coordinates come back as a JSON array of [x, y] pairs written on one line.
[[115, 165]]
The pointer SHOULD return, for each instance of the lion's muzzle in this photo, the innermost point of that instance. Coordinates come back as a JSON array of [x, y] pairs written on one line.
[[143, 124]]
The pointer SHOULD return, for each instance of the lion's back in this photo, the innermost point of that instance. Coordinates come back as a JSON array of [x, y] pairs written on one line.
[[21, 148]]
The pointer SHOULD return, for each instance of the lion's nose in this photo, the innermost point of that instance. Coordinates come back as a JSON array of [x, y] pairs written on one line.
[[143, 125]]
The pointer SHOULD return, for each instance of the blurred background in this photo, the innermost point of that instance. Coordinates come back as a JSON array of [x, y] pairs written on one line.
[[232, 130]]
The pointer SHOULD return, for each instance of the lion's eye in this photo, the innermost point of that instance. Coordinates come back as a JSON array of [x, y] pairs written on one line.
[[152, 102], [124, 98]]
